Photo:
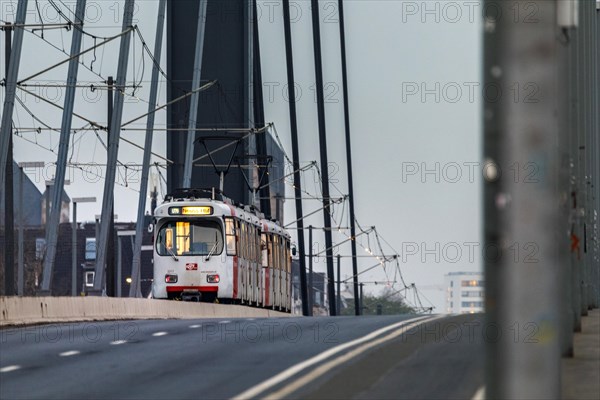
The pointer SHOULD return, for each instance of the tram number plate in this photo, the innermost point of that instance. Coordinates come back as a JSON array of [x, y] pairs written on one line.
[[191, 267]]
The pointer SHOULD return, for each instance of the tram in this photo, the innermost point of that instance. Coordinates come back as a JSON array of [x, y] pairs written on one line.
[[207, 248]]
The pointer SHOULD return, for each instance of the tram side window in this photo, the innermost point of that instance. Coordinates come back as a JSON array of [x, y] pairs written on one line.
[[264, 252], [230, 236], [244, 240], [282, 253], [257, 245], [238, 236], [277, 256], [288, 257], [270, 250], [250, 246], [251, 243]]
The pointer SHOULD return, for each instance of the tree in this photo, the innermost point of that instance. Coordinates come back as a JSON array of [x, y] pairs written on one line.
[[390, 301]]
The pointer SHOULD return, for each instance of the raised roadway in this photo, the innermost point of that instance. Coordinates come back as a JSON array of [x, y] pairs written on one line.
[[394, 357]]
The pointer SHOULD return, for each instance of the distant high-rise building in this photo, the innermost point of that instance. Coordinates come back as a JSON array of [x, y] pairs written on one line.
[[464, 292]]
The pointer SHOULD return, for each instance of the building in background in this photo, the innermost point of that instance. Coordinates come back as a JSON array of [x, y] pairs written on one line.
[[320, 306], [464, 292], [32, 198], [34, 249], [65, 207]]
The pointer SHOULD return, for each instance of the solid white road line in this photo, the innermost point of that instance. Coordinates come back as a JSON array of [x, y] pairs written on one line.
[[255, 391], [10, 368], [159, 334], [69, 353]]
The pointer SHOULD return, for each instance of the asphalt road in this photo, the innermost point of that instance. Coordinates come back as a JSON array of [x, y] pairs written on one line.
[[289, 357]]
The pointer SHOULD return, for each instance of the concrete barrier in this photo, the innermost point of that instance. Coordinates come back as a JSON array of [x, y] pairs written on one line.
[[35, 310]]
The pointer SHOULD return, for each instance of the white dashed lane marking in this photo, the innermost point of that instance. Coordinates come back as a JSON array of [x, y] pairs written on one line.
[[10, 368], [195, 326], [69, 353], [159, 334], [224, 322], [118, 342]]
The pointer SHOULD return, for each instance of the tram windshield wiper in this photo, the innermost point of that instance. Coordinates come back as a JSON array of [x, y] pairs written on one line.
[[211, 252], [172, 254]]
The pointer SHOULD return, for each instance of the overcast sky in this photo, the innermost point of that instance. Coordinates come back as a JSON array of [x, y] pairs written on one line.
[[413, 70]]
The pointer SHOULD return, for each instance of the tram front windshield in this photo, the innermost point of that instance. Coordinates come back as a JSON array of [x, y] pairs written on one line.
[[190, 238]]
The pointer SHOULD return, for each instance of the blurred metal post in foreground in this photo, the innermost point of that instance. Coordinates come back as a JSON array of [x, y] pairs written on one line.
[[11, 87], [134, 289], [523, 240], [113, 150], [52, 224]]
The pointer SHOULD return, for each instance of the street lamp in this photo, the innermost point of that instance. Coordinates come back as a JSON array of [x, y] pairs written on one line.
[[74, 250], [21, 271]]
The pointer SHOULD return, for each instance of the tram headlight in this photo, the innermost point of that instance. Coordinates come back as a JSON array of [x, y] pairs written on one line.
[[213, 278], [170, 278]]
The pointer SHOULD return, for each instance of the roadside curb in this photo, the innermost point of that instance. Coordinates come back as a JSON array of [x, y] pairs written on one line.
[[18, 311]]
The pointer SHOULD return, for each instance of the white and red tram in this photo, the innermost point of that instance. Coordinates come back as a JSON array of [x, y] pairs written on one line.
[[206, 248]]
